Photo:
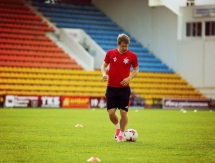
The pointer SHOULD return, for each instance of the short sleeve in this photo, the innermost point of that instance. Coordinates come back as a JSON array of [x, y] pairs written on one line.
[[135, 61], [107, 57]]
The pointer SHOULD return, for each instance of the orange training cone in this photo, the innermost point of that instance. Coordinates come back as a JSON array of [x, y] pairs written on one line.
[[94, 159], [79, 125]]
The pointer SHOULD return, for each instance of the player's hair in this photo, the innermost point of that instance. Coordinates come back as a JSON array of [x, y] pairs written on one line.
[[123, 38]]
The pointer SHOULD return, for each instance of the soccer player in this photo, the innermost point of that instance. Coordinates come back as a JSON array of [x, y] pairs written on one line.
[[119, 62]]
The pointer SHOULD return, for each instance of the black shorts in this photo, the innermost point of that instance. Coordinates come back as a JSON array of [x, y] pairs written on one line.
[[118, 97]]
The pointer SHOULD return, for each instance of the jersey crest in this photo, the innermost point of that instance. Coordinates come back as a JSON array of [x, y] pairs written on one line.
[[126, 60]]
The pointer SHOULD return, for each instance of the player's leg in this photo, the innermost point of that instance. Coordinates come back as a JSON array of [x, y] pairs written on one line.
[[115, 120], [123, 120], [123, 105], [113, 116], [111, 109], [123, 124]]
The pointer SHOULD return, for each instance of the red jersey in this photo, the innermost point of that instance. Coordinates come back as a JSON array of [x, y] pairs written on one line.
[[119, 66]]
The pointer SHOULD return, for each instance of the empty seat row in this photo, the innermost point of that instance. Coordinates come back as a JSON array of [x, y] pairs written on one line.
[[51, 76], [87, 26], [21, 31], [26, 27], [71, 11], [52, 88], [47, 71], [168, 79], [39, 64], [155, 65], [87, 19], [27, 42], [81, 3], [161, 86], [23, 36], [13, 2], [166, 91], [152, 75], [19, 16], [159, 80], [107, 42], [165, 70], [37, 59], [33, 53], [20, 10], [103, 27], [149, 98], [113, 43], [24, 21], [79, 21], [106, 37], [75, 15], [12, 5], [51, 82], [65, 7], [51, 93], [151, 60], [25, 47], [135, 49]]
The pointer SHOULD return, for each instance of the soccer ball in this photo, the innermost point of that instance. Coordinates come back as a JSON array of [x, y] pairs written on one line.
[[130, 135]]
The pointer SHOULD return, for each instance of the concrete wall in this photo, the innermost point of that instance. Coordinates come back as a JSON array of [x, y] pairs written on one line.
[[204, 2], [173, 5], [164, 35], [178, 3], [201, 49], [190, 61], [209, 63]]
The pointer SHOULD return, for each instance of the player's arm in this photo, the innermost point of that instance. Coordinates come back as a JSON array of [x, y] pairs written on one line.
[[134, 72], [132, 75], [103, 70]]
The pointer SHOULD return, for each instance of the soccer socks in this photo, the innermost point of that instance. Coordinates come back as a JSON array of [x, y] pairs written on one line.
[[117, 126], [117, 131], [121, 133]]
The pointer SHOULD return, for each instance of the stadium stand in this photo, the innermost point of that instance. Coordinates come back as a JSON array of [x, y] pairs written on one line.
[[100, 28], [31, 64]]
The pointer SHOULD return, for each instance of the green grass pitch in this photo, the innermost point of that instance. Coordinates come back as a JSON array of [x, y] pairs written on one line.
[[50, 136]]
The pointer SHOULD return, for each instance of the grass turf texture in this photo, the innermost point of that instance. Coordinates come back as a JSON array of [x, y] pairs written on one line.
[[50, 135]]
